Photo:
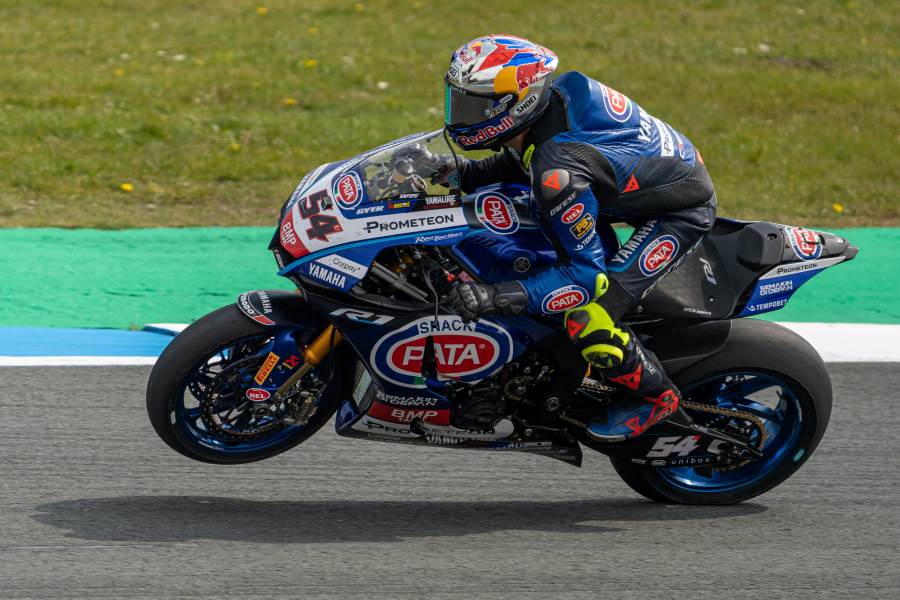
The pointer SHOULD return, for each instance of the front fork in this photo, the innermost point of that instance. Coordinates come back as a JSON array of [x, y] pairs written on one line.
[[314, 354]]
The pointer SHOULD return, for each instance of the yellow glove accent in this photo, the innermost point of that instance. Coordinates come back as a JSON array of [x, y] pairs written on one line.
[[599, 320], [601, 285], [603, 355]]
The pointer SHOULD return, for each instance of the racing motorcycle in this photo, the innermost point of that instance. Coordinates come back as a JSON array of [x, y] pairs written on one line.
[[373, 245]]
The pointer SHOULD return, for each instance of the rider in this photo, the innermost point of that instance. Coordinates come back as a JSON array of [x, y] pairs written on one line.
[[590, 155]]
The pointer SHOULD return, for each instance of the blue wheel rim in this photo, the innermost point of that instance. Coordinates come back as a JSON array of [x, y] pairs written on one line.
[[768, 397], [190, 422]]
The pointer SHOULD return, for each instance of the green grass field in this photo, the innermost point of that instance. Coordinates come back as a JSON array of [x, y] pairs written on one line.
[[211, 111]]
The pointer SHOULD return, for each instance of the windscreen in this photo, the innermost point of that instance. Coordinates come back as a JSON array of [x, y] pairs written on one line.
[[421, 165]]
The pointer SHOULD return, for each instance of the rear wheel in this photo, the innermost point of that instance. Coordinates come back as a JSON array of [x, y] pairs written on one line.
[[769, 372], [198, 399]]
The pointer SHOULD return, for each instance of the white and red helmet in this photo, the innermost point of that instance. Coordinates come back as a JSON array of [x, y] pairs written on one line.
[[496, 86]]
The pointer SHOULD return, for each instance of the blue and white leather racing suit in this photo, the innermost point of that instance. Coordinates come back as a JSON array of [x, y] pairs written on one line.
[[596, 157]]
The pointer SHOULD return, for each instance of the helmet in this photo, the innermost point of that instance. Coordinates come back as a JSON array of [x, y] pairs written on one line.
[[497, 85]]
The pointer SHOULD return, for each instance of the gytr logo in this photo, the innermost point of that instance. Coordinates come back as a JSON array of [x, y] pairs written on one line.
[[658, 254], [497, 213], [463, 351], [564, 298], [348, 190]]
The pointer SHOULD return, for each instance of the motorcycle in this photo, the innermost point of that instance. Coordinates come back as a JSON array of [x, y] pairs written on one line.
[[373, 245]]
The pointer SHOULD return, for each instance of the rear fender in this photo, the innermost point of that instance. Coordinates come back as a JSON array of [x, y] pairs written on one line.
[[680, 347]]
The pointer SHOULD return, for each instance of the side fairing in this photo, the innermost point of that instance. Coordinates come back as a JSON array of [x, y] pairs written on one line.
[[393, 391]]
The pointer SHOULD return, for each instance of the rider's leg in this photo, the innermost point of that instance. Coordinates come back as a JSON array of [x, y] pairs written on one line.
[[656, 247]]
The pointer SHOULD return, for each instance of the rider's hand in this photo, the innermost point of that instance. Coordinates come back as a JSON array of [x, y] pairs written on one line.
[[424, 162], [472, 300]]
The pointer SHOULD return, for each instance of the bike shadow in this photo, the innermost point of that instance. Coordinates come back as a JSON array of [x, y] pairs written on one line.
[[188, 518]]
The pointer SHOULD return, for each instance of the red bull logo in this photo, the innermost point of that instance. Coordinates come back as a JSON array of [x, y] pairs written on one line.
[[486, 133]]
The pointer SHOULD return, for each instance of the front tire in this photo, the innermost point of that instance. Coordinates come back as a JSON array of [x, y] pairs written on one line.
[[170, 379], [763, 358]]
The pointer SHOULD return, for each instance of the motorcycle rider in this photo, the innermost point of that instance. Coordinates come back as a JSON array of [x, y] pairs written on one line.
[[591, 155]]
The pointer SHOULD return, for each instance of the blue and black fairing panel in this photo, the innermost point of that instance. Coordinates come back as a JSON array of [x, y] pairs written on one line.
[[742, 269]]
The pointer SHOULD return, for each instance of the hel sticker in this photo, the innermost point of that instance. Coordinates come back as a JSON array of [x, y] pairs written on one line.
[[348, 190], [257, 394], [271, 360], [564, 298], [618, 105], [582, 227], [463, 351], [497, 213], [572, 214], [805, 243], [658, 254]]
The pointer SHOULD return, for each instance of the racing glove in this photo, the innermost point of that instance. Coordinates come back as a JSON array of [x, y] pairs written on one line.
[[471, 300]]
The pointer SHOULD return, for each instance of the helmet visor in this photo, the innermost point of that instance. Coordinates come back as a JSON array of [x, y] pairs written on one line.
[[463, 109]]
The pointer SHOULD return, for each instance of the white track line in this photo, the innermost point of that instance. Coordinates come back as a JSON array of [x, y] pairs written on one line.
[[851, 342], [74, 361], [836, 342]]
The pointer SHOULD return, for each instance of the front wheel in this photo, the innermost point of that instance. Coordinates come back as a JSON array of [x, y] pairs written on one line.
[[204, 403], [768, 371]]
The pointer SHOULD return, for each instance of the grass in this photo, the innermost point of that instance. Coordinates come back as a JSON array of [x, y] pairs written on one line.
[[212, 111]]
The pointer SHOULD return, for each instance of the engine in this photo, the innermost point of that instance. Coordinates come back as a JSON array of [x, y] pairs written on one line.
[[518, 389]]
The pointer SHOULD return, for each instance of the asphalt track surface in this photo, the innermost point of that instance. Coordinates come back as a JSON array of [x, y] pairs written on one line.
[[93, 505]]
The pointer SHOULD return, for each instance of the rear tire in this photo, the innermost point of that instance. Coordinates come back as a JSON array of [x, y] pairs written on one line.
[[754, 347], [181, 358]]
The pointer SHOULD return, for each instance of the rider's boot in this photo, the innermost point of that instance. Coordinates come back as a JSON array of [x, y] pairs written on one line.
[[614, 349]]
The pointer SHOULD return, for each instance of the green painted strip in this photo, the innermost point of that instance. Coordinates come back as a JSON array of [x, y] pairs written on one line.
[[92, 278]]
